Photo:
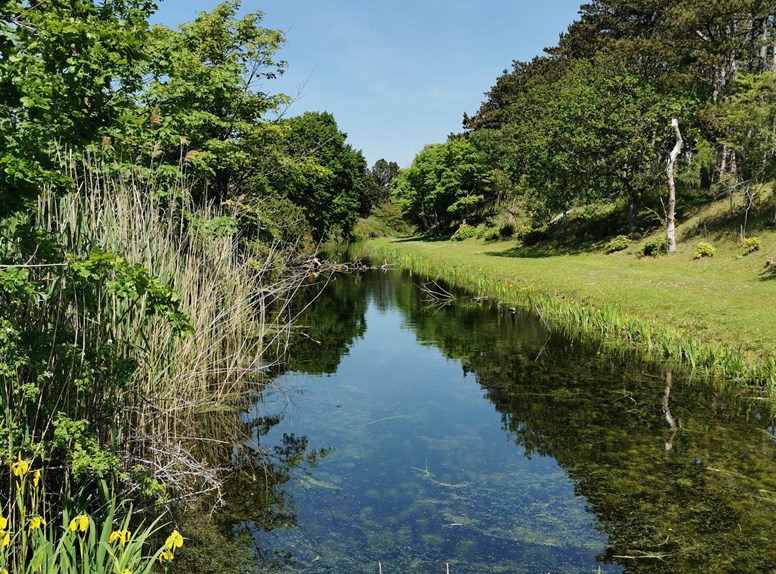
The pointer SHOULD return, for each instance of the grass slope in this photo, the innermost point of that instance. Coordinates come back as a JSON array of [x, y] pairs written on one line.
[[718, 313]]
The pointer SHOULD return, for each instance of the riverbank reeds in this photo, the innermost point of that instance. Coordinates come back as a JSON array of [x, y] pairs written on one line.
[[615, 326], [181, 385]]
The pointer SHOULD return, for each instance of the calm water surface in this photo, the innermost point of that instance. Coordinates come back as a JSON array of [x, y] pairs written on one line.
[[417, 436]]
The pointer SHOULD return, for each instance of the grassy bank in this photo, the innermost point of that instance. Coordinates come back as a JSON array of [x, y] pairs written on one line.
[[716, 314]]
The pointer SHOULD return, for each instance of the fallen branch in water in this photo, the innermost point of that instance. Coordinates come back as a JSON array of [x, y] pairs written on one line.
[[435, 292]]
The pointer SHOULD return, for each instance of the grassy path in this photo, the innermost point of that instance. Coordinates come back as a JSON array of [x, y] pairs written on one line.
[[711, 311]]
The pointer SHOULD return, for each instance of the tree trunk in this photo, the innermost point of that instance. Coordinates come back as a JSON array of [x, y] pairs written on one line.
[[671, 210]]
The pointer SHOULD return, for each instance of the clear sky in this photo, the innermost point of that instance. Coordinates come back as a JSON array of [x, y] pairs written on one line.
[[398, 74]]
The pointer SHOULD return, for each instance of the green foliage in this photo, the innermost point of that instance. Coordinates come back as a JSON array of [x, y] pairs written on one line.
[[325, 176], [377, 185], [38, 536], [445, 185], [204, 105], [67, 74], [386, 219], [703, 249], [507, 230], [64, 365], [654, 247], [750, 245], [492, 234], [747, 119], [464, 231], [618, 243]]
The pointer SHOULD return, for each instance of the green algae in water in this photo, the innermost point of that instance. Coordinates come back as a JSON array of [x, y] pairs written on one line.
[[473, 437]]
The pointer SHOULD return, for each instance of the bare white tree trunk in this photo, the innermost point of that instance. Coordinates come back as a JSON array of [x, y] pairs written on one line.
[[671, 210]]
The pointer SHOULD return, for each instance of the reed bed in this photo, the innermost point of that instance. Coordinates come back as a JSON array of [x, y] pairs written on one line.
[[611, 325], [172, 419]]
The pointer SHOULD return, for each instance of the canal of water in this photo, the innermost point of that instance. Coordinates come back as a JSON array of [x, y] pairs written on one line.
[[415, 437]]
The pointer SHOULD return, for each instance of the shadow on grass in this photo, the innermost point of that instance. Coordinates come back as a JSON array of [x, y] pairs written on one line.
[[545, 250], [730, 219], [769, 273], [421, 239]]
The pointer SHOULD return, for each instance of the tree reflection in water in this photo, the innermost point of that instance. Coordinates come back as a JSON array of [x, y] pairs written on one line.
[[680, 474]]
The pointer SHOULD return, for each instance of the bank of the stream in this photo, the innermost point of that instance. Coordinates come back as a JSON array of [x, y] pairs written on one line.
[[716, 315]]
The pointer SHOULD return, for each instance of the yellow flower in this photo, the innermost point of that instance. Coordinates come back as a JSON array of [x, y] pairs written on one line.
[[3, 522], [122, 536], [20, 467], [127, 571], [80, 522], [174, 540], [36, 479], [166, 556], [6, 539], [36, 522]]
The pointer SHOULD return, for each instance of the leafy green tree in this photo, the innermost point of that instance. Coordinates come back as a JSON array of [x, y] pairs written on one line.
[[747, 121], [446, 184], [377, 184], [204, 104], [67, 73], [323, 174]]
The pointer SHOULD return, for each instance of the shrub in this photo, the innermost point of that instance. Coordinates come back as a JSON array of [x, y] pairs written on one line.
[[522, 231], [507, 230], [534, 236], [654, 247], [750, 245], [703, 249], [491, 234], [465, 231], [618, 243]]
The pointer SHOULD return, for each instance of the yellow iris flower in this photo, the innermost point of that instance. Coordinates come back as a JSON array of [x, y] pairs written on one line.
[[37, 522], [80, 522], [174, 540], [20, 467], [122, 536], [36, 479], [6, 539]]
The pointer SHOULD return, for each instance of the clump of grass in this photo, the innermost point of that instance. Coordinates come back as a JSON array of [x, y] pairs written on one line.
[[618, 243], [654, 247], [491, 234], [465, 231]]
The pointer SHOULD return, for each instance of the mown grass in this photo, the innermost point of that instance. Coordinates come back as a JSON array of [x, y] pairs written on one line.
[[715, 314]]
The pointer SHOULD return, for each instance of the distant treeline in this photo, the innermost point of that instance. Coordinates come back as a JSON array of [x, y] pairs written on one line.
[[591, 120]]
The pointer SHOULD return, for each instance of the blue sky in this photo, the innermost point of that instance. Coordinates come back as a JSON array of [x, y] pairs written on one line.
[[396, 75]]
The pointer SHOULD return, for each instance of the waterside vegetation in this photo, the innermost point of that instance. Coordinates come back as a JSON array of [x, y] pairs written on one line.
[[714, 315]]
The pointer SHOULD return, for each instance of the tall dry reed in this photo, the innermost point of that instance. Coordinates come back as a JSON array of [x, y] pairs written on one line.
[[238, 307]]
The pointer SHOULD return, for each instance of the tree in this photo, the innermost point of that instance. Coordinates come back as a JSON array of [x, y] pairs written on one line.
[[204, 99], [671, 209], [446, 184], [377, 184], [323, 175], [67, 73], [748, 121]]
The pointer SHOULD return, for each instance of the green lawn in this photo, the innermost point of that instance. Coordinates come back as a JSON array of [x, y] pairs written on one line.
[[726, 300]]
